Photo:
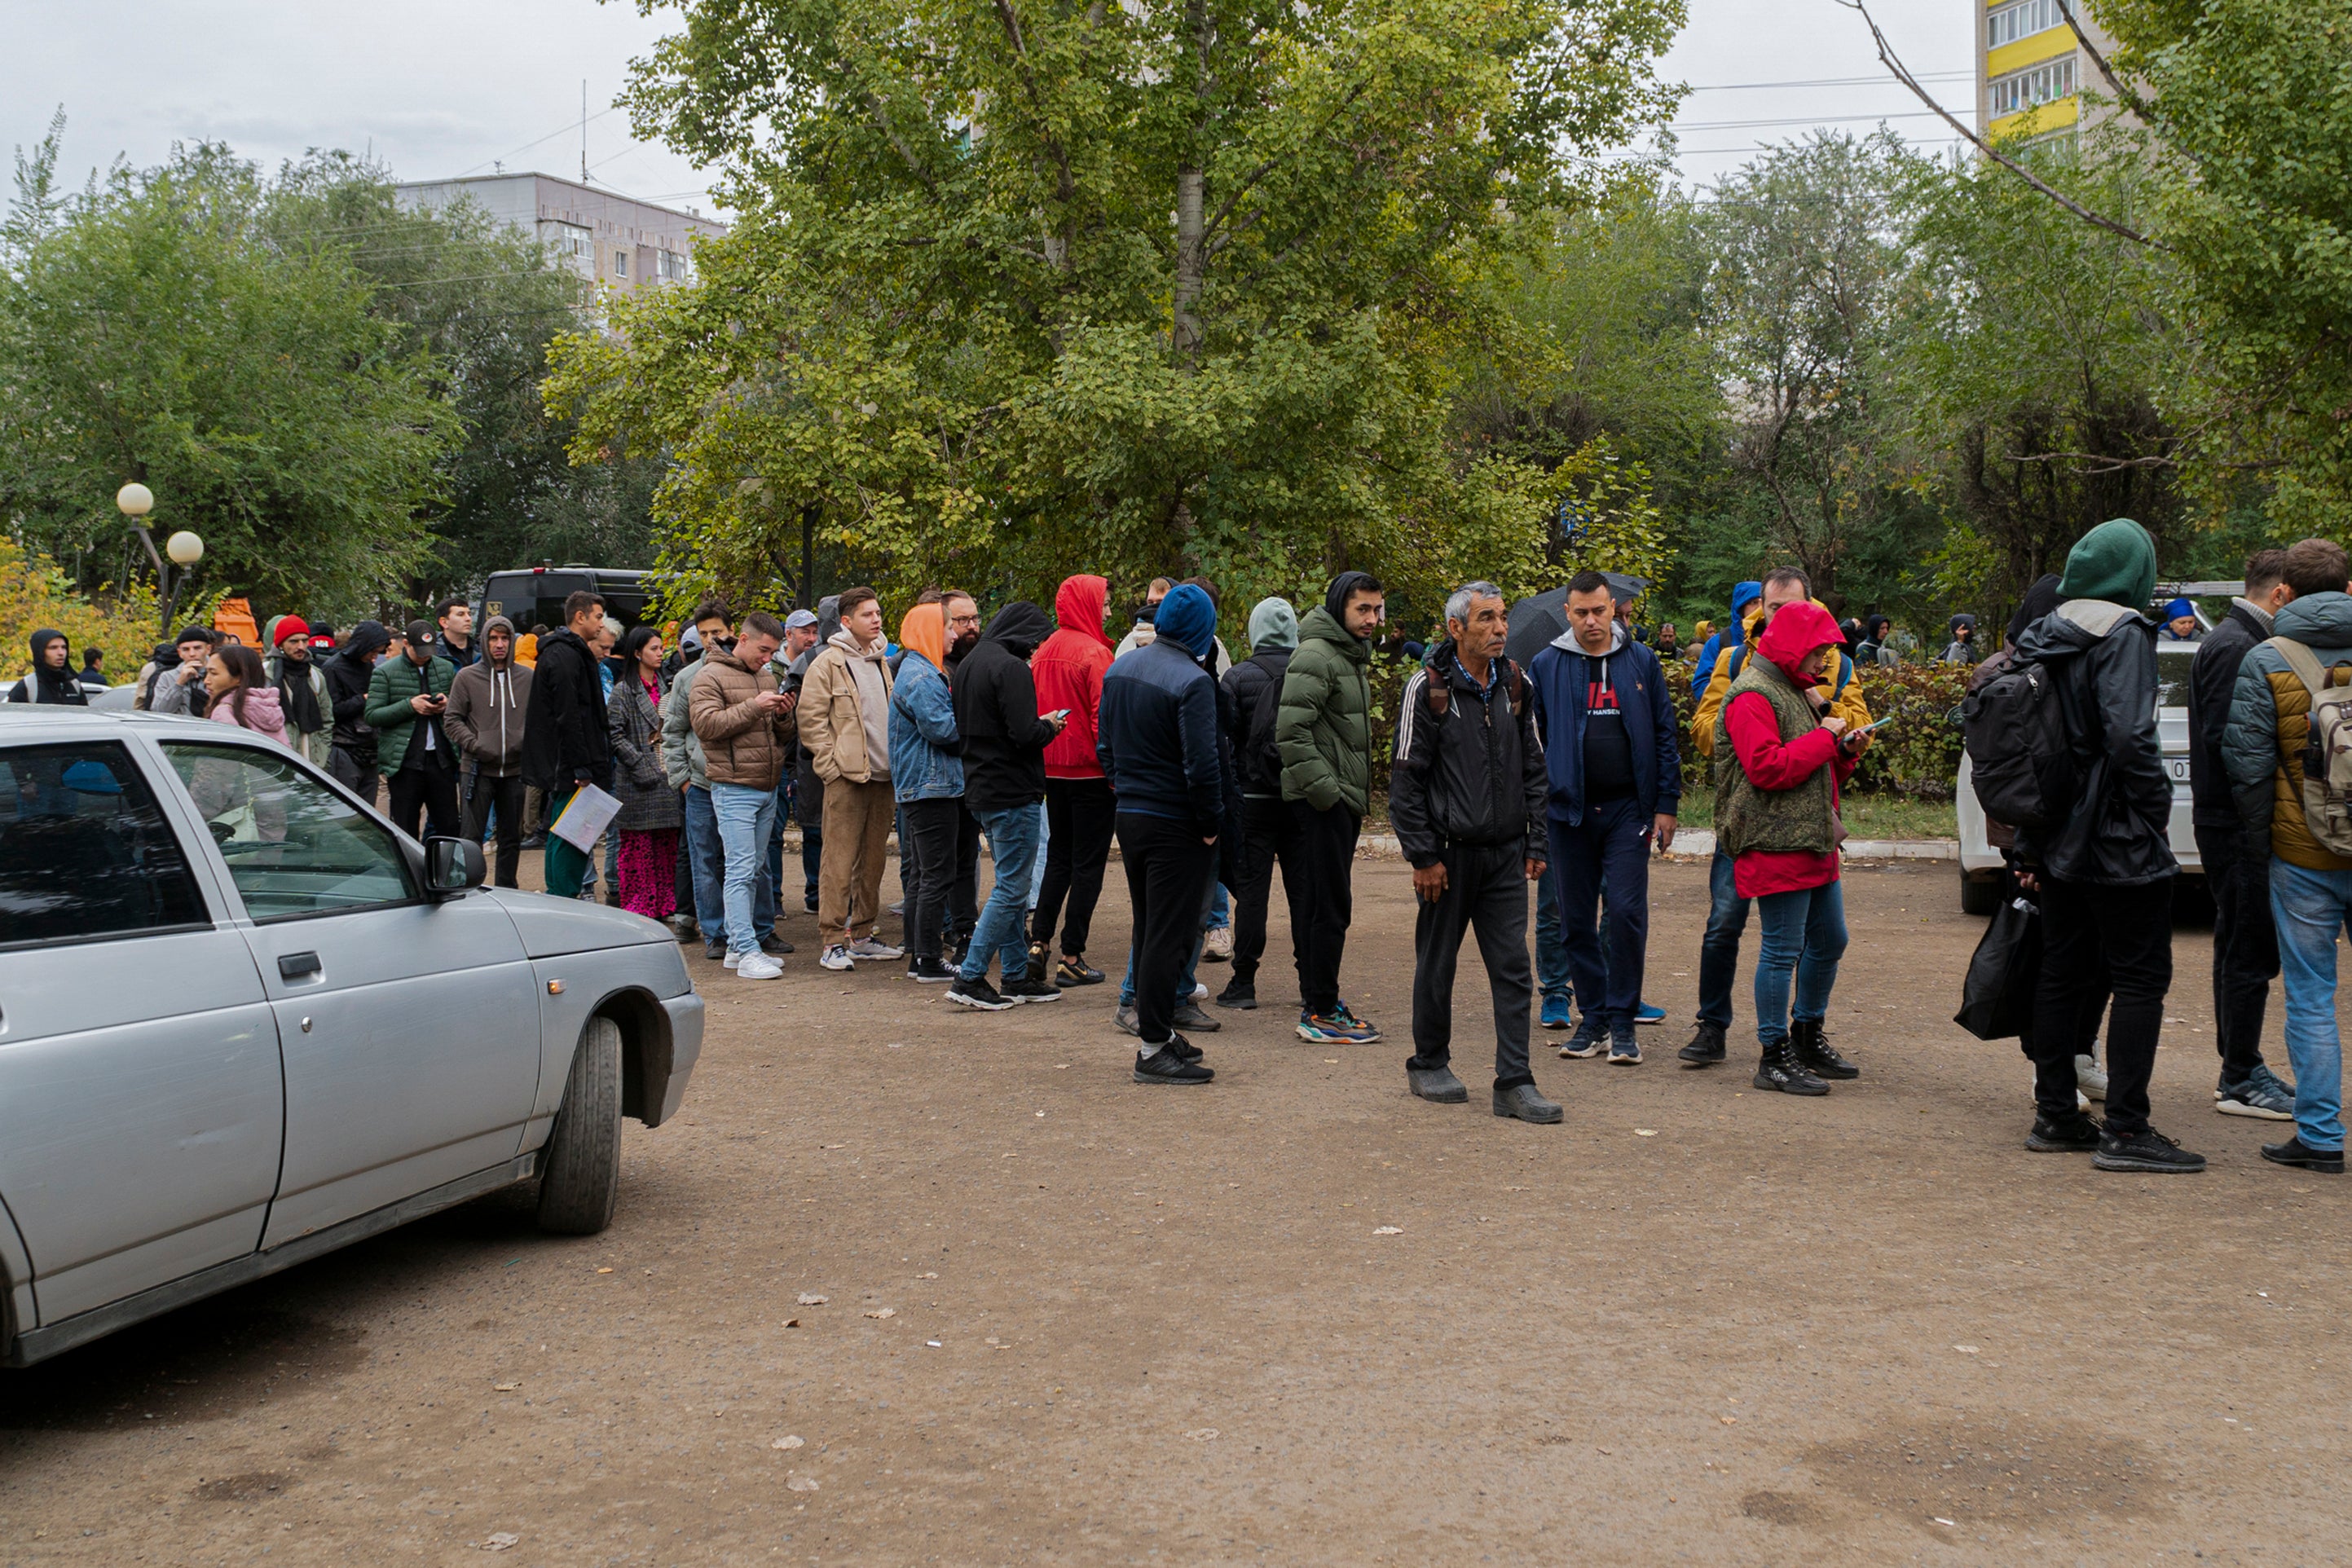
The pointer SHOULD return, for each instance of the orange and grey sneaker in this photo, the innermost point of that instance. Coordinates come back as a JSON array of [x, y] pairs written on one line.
[[1335, 1029]]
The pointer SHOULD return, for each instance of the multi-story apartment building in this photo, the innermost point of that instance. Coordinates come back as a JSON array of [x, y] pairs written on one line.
[[602, 235], [2030, 71]]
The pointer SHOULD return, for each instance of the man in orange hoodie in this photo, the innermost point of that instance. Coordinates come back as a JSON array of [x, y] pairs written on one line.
[[1079, 810]]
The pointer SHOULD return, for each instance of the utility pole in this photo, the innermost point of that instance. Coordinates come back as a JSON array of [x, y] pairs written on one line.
[[583, 130]]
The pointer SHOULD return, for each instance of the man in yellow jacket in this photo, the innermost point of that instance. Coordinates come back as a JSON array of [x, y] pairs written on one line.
[[1727, 916]]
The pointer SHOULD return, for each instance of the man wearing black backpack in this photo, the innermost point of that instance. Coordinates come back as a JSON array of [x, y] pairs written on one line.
[[2095, 841], [1256, 687]]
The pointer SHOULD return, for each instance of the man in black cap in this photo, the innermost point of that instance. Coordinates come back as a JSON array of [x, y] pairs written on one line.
[[406, 696]]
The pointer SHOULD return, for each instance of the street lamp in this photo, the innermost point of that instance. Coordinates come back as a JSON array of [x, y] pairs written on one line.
[[135, 500]]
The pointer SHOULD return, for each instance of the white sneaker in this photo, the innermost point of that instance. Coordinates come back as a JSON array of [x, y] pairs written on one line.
[[1200, 992], [759, 966], [732, 958], [2088, 1079], [1217, 947], [837, 957], [866, 947]]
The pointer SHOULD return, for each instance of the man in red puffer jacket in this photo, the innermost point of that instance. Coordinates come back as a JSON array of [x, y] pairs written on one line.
[[1079, 810]]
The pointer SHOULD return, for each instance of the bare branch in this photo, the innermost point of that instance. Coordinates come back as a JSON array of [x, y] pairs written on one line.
[[1902, 74], [2128, 96]]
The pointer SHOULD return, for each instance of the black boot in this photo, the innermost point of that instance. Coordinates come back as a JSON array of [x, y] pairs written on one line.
[[1780, 1068], [1706, 1048], [1814, 1052]]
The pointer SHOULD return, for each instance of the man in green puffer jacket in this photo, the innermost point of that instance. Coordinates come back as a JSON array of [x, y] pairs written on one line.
[[406, 696], [1323, 733]]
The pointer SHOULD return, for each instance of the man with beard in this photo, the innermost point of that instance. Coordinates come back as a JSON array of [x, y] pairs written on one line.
[[565, 741], [52, 680], [1004, 742], [352, 758], [804, 634], [964, 888], [180, 687], [302, 688]]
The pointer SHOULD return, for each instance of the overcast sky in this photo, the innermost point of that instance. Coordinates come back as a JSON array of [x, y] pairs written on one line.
[[437, 88]]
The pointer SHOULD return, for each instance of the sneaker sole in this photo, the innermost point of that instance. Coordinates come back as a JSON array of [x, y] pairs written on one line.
[[978, 1006], [1582, 1053], [1767, 1085], [1248, 1007], [1689, 1060], [2124, 1162], [2319, 1167], [932, 979], [1066, 981], [778, 975], [1142, 1077], [2239, 1108], [2043, 1146], [1632, 1061], [1025, 1001]]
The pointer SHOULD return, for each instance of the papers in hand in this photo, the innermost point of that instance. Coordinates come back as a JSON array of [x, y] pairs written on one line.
[[585, 816]]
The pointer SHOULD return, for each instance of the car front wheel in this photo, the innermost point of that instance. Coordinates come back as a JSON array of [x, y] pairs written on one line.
[[580, 1169]]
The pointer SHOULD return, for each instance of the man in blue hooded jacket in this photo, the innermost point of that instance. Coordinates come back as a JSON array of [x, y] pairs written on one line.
[[1157, 740], [1742, 595]]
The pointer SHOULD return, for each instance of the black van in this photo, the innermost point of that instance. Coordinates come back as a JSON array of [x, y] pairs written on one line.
[[535, 597]]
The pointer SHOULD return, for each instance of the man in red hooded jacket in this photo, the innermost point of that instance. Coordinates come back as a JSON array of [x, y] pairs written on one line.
[[1079, 809]]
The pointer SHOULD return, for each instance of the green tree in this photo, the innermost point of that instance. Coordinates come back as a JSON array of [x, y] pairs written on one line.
[[1168, 283], [156, 327]]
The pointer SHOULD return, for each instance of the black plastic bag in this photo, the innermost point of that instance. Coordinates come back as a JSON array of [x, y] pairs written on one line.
[[1997, 1001]]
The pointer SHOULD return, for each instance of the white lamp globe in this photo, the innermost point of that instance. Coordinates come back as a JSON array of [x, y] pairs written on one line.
[[184, 548], [134, 499]]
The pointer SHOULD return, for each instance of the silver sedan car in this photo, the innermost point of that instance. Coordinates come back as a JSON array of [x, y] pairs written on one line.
[[243, 1022]]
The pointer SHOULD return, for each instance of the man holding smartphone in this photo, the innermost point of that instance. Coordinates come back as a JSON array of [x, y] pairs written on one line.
[[406, 696]]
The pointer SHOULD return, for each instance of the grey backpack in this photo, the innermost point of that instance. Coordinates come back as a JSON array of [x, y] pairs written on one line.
[[2328, 747]]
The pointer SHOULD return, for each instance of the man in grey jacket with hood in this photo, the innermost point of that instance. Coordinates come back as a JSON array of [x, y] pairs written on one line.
[[2106, 873], [487, 703]]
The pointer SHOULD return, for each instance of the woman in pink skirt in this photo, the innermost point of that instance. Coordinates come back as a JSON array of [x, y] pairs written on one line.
[[651, 811]]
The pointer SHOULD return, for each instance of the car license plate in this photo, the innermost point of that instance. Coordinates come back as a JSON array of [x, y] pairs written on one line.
[[2179, 768]]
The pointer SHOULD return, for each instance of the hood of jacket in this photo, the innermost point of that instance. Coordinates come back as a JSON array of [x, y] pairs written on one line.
[[2077, 625], [1335, 597], [1566, 642], [498, 623], [1953, 627], [1078, 607], [2038, 601], [1796, 631], [2315, 620], [1743, 594], [2115, 561], [367, 639], [925, 631], [263, 709], [1019, 627], [1188, 617], [846, 641], [1273, 623], [1319, 624], [41, 640]]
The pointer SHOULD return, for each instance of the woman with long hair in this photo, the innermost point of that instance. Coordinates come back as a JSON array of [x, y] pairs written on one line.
[[651, 812], [237, 691]]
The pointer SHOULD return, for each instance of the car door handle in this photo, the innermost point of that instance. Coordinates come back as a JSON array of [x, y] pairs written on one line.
[[295, 965]]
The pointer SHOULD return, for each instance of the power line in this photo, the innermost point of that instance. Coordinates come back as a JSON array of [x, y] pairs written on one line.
[[1800, 120], [1833, 81], [568, 127]]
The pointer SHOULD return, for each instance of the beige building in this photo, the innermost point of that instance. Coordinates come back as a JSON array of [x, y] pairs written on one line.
[[604, 236], [2030, 71]]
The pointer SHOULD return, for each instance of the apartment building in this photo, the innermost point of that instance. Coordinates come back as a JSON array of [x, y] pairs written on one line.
[[606, 238], [2030, 70]]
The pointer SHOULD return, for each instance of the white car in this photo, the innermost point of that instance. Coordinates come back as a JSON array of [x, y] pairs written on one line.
[[243, 1022], [1980, 863]]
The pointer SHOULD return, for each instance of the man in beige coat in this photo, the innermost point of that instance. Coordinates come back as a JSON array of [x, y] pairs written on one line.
[[845, 725], [746, 728]]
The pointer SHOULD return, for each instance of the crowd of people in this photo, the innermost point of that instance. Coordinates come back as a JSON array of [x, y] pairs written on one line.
[[1040, 736]]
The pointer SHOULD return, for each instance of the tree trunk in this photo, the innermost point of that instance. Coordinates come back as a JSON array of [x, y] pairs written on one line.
[[1192, 201]]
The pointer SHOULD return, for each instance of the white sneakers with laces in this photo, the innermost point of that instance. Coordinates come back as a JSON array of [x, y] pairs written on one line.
[[758, 966]]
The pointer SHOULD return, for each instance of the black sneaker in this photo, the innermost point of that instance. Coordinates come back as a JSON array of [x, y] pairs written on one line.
[[978, 994], [714, 950], [1076, 971], [1189, 1017], [2072, 1134], [930, 972], [1028, 990], [1590, 1040], [774, 946], [2148, 1150], [1183, 1047], [1778, 1068], [1169, 1065], [1706, 1048], [1240, 993], [2295, 1151], [1041, 963]]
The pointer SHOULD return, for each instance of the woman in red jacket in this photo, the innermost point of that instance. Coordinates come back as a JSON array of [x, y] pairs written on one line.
[[1779, 766], [1079, 812]]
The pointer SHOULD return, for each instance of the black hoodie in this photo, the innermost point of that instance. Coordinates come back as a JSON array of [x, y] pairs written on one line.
[[996, 712], [347, 689]]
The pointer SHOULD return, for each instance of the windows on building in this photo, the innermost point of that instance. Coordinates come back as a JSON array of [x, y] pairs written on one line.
[[2008, 24], [673, 264], [2035, 85], [567, 239], [620, 262]]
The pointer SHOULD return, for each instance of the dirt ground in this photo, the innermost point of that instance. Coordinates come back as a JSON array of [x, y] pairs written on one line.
[[1055, 1317]]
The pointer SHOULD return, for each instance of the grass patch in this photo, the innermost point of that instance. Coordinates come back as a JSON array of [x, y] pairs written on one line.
[[1867, 815]]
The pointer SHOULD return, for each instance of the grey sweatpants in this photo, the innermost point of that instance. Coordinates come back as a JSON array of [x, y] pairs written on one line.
[[1486, 891]]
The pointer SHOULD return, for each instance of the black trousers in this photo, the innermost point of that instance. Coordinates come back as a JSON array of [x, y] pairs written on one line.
[[1322, 900], [347, 770], [963, 887], [1267, 841], [2245, 948], [1167, 874], [426, 787], [485, 791], [1486, 892], [927, 862], [1079, 816], [2131, 928]]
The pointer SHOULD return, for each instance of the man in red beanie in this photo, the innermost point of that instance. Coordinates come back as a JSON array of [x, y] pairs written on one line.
[[301, 688]]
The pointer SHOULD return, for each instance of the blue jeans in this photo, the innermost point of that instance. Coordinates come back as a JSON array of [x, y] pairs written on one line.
[[1003, 932], [1552, 952], [1805, 932], [1220, 907], [1718, 951], [706, 859], [2309, 908], [745, 816], [1609, 849]]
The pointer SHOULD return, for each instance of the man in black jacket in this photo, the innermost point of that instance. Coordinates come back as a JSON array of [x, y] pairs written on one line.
[[2245, 941], [564, 742], [352, 760], [1253, 686], [1466, 787], [1004, 745]]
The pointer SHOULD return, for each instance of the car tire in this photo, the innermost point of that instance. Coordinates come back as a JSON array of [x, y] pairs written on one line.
[[580, 1169], [1979, 895]]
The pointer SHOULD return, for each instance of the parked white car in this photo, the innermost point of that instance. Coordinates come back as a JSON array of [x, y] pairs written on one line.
[[243, 1022]]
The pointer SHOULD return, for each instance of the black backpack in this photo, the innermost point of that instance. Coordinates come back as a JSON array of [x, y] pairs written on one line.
[[2014, 727]]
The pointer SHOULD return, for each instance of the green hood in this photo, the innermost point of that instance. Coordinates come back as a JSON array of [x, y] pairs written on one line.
[[1273, 623], [2115, 561]]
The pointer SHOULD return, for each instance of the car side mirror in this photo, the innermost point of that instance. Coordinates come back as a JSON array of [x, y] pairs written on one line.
[[452, 868]]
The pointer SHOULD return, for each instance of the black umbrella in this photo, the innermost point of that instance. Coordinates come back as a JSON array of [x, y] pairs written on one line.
[[1538, 618]]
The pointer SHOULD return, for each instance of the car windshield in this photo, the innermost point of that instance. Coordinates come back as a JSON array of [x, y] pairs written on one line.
[[2172, 662]]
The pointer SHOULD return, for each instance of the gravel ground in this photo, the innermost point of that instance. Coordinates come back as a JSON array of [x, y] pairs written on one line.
[[905, 1285]]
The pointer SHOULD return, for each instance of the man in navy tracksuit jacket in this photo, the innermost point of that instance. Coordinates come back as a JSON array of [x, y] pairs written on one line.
[[1615, 777], [1160, 740]]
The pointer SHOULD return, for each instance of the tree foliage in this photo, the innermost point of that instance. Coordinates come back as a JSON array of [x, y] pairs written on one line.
[[1171, 283]]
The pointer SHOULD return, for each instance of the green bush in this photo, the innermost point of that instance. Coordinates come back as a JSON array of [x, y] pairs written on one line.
[[1918, 755]]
